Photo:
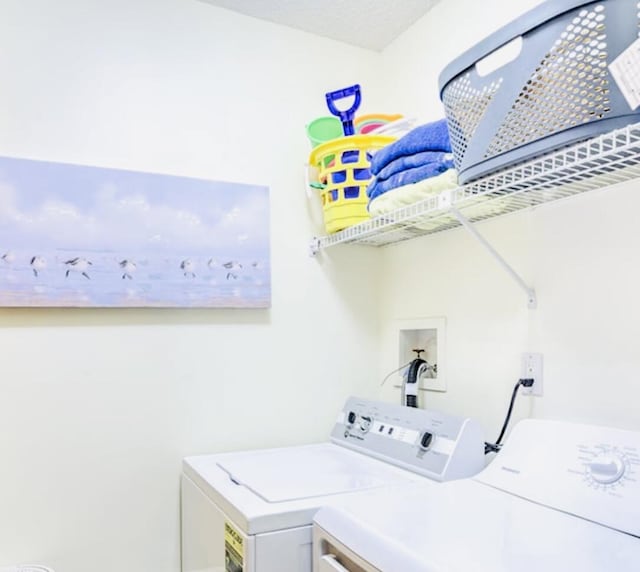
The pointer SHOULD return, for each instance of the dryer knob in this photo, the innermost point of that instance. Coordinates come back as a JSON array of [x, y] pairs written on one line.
[[426, 440], [351, 418], [365, 423]]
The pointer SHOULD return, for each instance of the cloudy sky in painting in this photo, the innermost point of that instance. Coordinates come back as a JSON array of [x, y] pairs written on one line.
[[45, 205]]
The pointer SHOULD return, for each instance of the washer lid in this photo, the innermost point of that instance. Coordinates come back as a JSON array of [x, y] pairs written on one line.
[[295, 473]]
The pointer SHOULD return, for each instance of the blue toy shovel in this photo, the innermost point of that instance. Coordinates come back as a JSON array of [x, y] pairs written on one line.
[[346, 116]]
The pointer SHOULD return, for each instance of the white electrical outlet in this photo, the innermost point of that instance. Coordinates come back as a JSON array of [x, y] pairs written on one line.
[[532, 368]]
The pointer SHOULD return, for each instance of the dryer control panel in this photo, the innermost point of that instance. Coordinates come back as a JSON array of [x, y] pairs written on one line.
[[439, 446], [586, 470]]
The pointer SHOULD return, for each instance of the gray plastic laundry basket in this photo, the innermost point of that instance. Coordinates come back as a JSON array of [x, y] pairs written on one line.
[[551, 88]]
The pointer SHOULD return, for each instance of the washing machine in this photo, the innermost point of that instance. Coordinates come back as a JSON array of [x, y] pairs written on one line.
[[252, 511], [559, 497]]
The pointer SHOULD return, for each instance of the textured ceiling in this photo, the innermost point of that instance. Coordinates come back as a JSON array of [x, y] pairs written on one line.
[[371, 24]]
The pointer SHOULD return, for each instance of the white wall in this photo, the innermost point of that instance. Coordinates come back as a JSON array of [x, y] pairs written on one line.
[[98, 407], [412, 64], [580, 256]]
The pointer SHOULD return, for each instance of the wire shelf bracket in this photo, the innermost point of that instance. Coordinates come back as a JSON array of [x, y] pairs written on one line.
[[530, 292]]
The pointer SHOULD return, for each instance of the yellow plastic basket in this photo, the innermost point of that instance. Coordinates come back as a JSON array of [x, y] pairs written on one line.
[[343, 169]]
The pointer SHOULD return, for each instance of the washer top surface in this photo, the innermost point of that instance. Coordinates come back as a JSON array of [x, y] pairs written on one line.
[[271, 489], [295, 473], [466, 525]]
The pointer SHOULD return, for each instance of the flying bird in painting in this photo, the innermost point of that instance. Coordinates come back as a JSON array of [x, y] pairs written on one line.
[[232, 266], [37, 263], [187, 266], [78, 265], [128, 268]]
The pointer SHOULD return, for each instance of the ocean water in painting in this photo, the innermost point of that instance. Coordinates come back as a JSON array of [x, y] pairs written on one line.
[[85, 236]]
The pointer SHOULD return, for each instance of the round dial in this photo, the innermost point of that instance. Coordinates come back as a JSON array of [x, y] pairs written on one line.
[[426, 440], [606, 468], [365, 423]]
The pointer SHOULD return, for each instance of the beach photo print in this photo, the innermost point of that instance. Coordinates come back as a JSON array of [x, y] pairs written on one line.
[[80, 236]]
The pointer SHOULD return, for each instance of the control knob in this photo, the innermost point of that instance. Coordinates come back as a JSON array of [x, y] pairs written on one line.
[[426, 440], [606, 468], [365, 423], [351, 418]]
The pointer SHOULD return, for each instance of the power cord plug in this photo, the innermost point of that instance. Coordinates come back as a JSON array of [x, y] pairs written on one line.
[[495, 447], [491, 448]]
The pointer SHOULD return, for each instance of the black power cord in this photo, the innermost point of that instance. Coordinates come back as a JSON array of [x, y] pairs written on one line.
[[495, 447]]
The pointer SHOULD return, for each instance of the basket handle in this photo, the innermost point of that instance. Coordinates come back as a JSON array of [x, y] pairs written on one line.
[[307, 179], [311, 179], [504, 55]]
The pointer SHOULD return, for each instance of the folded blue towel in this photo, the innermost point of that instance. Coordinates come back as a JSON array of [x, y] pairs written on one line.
[[377, 188], [411, 161], [429, 137]]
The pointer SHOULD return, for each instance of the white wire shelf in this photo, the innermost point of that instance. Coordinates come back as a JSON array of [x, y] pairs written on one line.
[[592, 164]]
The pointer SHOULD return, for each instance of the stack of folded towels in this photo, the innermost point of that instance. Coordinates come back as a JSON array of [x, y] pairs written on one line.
[[416, 166]]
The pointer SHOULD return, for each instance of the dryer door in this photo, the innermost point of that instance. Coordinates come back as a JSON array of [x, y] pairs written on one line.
[[330, 555], [329, 563]]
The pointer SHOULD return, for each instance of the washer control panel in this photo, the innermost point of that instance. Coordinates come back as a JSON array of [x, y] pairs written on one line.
[[586, 470], [432, 443]]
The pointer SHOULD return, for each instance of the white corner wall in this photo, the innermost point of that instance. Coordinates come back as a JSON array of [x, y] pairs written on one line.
[[98, 407], [580, 255]]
